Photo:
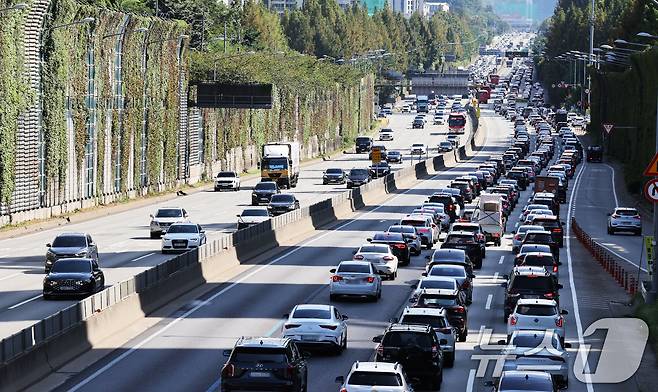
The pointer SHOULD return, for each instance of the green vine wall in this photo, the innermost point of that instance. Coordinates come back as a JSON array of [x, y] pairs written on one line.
[[16, 94]]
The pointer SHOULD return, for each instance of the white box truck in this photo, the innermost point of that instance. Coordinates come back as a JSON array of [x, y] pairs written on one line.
[[489, 214], [280, 163]]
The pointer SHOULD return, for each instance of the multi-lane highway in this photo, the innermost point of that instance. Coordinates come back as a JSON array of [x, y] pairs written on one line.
[[123, 239], [184, 351]]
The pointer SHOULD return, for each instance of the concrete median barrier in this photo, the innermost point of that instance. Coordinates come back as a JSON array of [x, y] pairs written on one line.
[[35, 352]]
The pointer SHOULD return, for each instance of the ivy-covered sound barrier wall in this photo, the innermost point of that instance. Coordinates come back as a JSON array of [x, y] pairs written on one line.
[[628, 100], [321, 105]]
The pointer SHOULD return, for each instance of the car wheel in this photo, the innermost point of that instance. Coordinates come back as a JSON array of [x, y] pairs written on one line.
[[379, 294], [462, 336], [449, 359], [47, 297], [610, 230]]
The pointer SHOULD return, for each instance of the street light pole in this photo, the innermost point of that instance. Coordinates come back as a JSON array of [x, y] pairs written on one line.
[[591, 50]]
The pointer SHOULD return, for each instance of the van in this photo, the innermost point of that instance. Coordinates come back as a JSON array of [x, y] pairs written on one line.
[[489, 214]]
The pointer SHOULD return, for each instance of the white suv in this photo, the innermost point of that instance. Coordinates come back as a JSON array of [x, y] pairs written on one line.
[[227, 180], [364, 376], [537, 314]]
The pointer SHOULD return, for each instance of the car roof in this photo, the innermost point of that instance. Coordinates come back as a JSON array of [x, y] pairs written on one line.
[[251, 341], [383, 367], [536, 301], [530, 270], [437, 312], [525, 375], [453, 253], [461, 232]]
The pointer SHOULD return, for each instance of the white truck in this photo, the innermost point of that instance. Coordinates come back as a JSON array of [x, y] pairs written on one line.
[[280, 163], [489, 214]]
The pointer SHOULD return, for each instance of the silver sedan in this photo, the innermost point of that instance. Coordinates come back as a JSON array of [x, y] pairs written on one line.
[[317, 326], [355, 278]]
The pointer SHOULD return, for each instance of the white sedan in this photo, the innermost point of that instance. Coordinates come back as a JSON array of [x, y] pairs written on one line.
[[317, 326], [418, 149], [381, 257], [182, 237]]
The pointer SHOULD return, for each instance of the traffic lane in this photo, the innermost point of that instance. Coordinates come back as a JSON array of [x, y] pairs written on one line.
[[308, 267], [139, 252], [594, 203]]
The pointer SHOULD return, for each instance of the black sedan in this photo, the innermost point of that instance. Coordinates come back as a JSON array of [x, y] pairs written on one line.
[[380, 169], [73, 277], [282, 203], [358, 177], [394, 157], [334, 176], [399, 246]]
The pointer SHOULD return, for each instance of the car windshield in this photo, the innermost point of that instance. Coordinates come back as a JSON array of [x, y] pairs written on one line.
[[312, 313], [68, 265], [334, 171], [374, 249], [530, 340], [226, 174], [471, 228], [538, 283], [537, 237], [413, 222], [459, 239], [254, 212], [183, 229], [626, 212], [362, 140], [445, 144], [358, 172], [380, 379], [402, 229], [265, 186], [536, 310], [406, 338], [69, 241], [259, 354], [535, 248], [388, 237], [354, 268], [435, 301], [275, 163], [521, 383], [437, 284], [433, 321], [444, 270], [282, 198], [538, 261], [169, 213]]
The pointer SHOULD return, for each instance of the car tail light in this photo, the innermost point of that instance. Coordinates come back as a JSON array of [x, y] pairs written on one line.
[[466, 284], [615, 216], [290, 371], [380, 350], [559, 322], [549, 295], [358, 257], [496, 234], [336, 278], [413, 237], [331, 327], [555, 268], [388, 258], [451, 207], [370, 279], [459, 309], [557, 230], [343, 389], [288, 326], [517, 237], [512, 320], [423, 230], [400, 246], [228, 370], [636, 217], [435, 351]]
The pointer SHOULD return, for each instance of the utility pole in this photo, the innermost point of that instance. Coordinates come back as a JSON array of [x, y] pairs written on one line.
[[651, 297], [591, 50]]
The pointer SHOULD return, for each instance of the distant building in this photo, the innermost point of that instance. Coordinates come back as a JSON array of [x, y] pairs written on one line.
[[281, 6], [432, 7]]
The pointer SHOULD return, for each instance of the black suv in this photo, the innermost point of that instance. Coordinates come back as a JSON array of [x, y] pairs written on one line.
[[263, 192], [358, 177], [380, 169], [450, 300], [416, 348], [449, 204], [469, 243], [269, 364], [552, 224], [520, 176], [529, 282], [543, 238], [594, 154], [363, 144], [397, 243]]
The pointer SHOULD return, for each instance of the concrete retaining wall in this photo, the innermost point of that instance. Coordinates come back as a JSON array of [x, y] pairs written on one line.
[[35, 352]]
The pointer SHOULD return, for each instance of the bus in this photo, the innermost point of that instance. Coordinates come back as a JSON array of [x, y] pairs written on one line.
[[422, 104], [483, 96], [457, 122]]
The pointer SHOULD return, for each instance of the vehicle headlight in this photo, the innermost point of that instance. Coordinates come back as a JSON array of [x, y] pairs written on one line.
[[81, 253], [80, 282], [52, 282], [194, 239]]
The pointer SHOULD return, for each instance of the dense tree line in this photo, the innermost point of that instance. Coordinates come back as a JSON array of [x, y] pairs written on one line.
[[568, 29]]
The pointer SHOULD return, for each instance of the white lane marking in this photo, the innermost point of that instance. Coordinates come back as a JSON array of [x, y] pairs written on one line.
[[143, 256], [215, 386], [185, 315], [489, 299], [496, 276], [471, 380], [614, 190], [11, 276], [502, 258], [24, 302], [572, 284]]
